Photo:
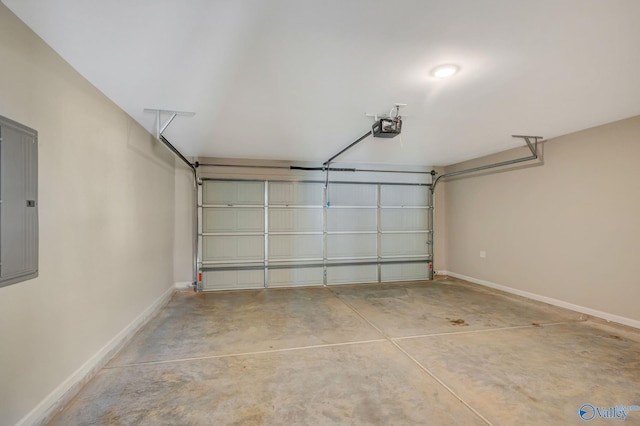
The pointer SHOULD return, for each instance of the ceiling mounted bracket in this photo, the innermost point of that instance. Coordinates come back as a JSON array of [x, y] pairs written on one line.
[[396, 107], [162, 126]]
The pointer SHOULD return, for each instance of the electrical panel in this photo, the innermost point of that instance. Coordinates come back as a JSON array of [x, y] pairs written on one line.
[[18, 202]]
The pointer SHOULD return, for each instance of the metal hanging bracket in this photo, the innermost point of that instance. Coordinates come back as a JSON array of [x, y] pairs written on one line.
[[396, 107], [533, 147], [160, 126]]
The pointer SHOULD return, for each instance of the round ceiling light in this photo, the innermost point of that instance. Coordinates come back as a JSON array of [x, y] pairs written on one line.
[[443, 71]]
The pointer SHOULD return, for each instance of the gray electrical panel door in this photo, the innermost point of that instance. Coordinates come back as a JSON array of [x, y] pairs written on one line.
[[18, 202]]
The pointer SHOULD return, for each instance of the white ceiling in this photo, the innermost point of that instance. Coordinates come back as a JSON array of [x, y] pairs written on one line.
[[292, 79]]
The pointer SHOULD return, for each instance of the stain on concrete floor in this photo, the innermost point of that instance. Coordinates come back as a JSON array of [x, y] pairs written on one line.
[[458, 322]]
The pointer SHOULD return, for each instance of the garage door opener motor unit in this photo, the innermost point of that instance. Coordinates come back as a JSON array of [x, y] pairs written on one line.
[[387, 127]]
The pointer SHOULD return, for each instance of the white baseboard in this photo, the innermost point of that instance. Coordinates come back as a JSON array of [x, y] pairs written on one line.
[[551, 301], [184, 285], [60, 396]]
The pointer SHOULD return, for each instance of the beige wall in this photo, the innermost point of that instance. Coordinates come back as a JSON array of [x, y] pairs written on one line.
[[567, 230], [106, 201]]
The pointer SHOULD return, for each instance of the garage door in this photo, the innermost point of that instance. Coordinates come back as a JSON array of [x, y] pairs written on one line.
[[286, 234]]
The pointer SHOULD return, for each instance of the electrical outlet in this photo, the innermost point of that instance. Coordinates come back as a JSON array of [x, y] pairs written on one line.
[[483, 254]]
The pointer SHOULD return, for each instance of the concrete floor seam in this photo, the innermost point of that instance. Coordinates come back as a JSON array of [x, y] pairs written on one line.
[[416, 362], [348, 305], [444, 385], [201, 358], [488, 330]]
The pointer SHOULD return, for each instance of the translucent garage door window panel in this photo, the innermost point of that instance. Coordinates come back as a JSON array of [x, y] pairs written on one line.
[[230, 280], [397, 195], [233, 193], [352, 219], [218, 220], [296, 194], [353, 195], [352, 246], [283, 219], [296, 277], [232, 248], [404, 272], [405, 219], [352, 274], [410, 244], [295, 247]]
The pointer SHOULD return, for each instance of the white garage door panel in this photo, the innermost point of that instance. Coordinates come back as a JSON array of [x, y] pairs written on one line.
[[351, 245], [405, 272], [352, 219], [404, 219], [353, 195], [396, 195], [306, 239], [230, 248], [405, 244], [352, 274], [233, 193], [295, 220], [290, 247], [228, 280], [296, 194], [232, 219], [295, 277]]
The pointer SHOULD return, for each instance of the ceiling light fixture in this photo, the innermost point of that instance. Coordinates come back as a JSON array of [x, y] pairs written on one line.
[[443, 71]]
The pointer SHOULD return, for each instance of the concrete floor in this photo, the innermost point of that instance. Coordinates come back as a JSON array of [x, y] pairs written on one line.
[[441, 352]]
